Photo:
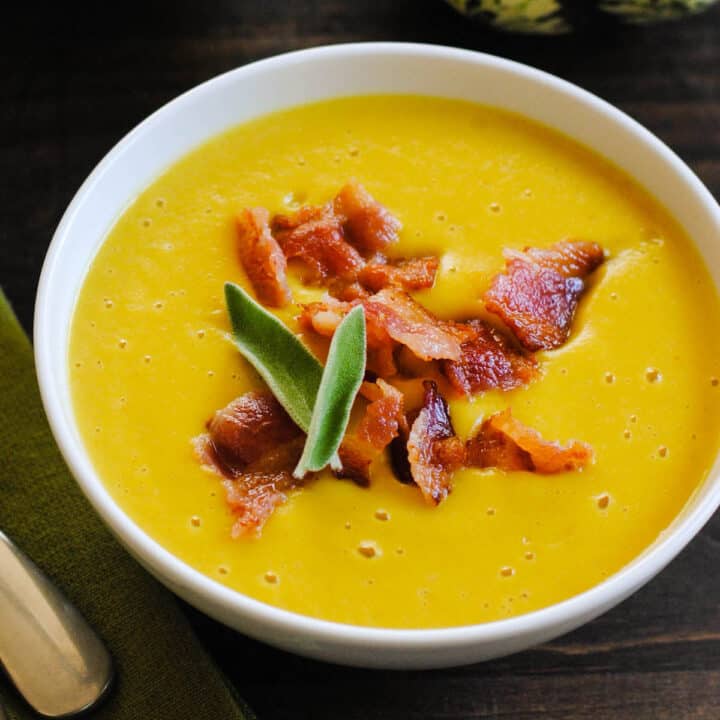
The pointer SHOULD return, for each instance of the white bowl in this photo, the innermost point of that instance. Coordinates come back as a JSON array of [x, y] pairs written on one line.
[[297, 78]]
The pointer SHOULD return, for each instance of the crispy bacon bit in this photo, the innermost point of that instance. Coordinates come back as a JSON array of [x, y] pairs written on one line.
[[324, 316], [369, 225], [489, 361], [571, 258], [384, 418], [248, 428], [254, 445], [262, 258], [413, 274], [410, 324], [392, 317], [539, 291], [492, 448], [434, 452], [536, 303], [508, 444], [315, 236], [253, 497], [355, 462]]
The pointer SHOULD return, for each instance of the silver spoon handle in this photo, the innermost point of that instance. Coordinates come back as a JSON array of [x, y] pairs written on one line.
[[51, 654]]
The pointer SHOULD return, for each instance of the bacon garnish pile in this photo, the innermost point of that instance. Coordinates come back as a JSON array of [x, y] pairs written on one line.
[[537, 295], [334, 241], [489, 360], [255, 446], [506, 443]]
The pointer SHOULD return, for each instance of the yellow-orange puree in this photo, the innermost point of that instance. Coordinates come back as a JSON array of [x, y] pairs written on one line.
[[150, 361]]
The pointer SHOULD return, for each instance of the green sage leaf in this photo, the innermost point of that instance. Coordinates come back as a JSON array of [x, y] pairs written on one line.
[[341, 378], [291, 371]]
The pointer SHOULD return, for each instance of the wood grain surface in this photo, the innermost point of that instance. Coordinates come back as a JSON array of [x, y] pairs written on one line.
[[76, 79]]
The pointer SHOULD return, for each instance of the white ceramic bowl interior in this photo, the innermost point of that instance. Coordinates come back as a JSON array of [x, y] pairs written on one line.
[[298, 78]]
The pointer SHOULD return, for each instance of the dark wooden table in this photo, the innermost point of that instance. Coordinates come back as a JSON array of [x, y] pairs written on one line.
[[74, 80]]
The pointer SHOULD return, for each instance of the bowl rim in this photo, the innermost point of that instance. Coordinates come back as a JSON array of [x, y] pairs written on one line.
[[568, 613]]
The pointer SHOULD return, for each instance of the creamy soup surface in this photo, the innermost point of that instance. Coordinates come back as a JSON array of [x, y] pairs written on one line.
[[150, 361]]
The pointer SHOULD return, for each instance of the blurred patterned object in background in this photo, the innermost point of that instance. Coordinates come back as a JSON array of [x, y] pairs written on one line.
[[556, 17]]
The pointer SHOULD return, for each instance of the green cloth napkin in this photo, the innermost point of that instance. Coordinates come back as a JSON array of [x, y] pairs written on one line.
[[162, 671]]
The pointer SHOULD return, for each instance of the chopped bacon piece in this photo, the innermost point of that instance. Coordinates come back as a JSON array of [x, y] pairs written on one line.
[[384, 418], [355, 461], [489, 361], [262, 258], [432, 451], [253, 497], [254, 445], [413, 274], [491, 447], [369, 225], [536, 303], [248, 428], [506, 443], [325, 315], [392, 317], [315, 236], [410, 324], [571, 258], [384, 415], [539, 291]]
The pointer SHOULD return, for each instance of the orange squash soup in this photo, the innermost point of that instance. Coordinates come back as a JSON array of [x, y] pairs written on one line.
[[635, 383]]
